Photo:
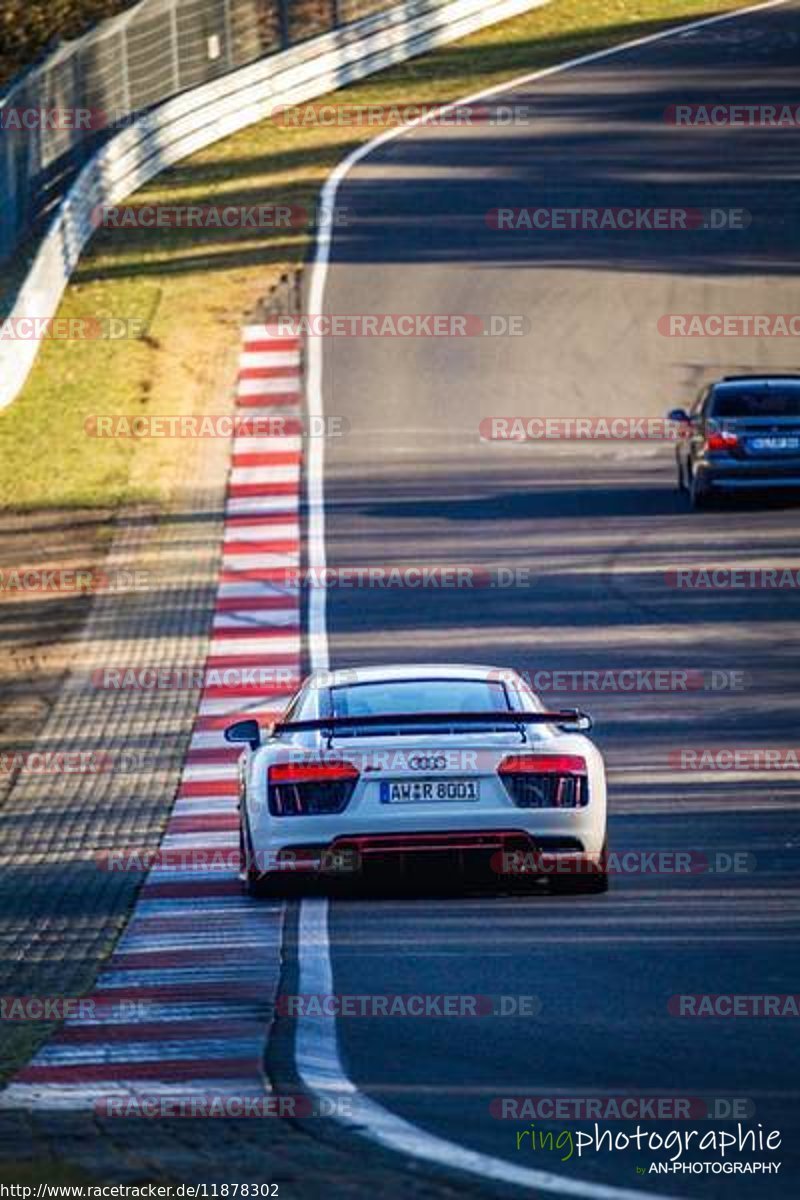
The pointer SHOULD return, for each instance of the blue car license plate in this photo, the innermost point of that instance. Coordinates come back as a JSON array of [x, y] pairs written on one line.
[[769, 445]]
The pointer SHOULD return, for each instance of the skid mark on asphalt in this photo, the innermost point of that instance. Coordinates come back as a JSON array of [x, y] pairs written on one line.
[[182, 1009]]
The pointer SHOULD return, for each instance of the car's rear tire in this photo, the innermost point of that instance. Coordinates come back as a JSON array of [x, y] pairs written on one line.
[[590, 883], [681, 480], [700, 494], [268, 887], [259, 887], [580, 885]]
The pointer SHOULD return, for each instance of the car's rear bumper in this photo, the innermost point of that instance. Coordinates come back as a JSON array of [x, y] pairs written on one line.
[[748, 476], [386, 833], [753, 482], [498, 853]]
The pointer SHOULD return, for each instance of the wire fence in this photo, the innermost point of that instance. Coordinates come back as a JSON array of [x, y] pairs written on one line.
[[55, 117]]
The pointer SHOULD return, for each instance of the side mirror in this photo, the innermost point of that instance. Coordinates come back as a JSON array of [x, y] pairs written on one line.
[[679, 415], [244, 731]]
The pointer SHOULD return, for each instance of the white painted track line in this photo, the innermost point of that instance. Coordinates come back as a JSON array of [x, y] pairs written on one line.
[[323, 1074]]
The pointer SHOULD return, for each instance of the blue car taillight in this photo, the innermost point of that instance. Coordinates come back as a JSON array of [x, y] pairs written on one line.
[[546, 780], [310, 788], [721, 439]]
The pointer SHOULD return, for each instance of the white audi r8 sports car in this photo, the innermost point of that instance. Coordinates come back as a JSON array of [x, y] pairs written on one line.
[[400, 770]]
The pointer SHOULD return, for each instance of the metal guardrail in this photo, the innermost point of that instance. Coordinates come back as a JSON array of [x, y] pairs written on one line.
[[192, 120], [54, 118]]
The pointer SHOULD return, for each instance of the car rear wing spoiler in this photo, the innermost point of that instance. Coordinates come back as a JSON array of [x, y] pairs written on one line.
[[567, 718]]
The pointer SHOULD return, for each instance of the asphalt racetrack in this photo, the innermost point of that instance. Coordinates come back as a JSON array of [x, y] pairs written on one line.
[[593, 532]]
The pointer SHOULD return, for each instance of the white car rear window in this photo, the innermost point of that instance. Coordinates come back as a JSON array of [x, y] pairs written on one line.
[[418, 695]]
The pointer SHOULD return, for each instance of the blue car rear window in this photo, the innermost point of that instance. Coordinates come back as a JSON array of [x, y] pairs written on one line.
[[767, 402]]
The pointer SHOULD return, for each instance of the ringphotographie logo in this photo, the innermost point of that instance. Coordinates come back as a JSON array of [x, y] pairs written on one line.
[[676, 1142], [682, 1142]]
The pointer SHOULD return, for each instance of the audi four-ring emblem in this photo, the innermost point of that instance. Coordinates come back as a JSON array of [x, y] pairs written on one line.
[[427, 762]]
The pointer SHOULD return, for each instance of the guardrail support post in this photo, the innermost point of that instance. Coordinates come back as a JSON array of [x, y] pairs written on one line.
[[229, 34], [283, 12], [176, 57], [126, 78], [9, 227]]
